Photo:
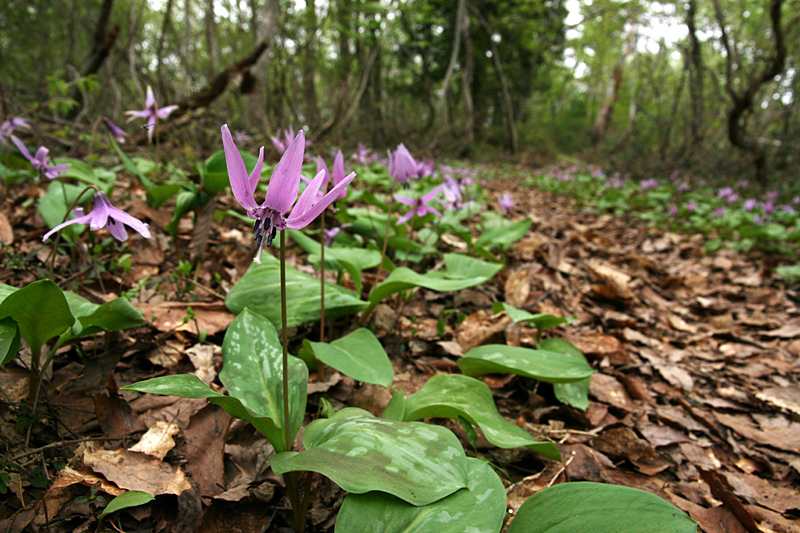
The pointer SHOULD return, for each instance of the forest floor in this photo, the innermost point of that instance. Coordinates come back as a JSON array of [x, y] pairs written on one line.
[[696, 398]]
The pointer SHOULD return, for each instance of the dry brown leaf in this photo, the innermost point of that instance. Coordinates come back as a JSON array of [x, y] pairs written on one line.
[[212, 317], [70, 476], [789, 330], [755, 489], [202, 357], [517, 287], [204, 447], [676, 376], [783, 438], [6, 231], [158, 441], [478, 328], [608, 390], [613, 282], [783, 397], [137, 471]]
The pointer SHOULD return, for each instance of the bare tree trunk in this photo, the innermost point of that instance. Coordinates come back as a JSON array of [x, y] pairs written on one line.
[[211, 41], [103, 42], [466, 83], [636, 100], [337, 125], [603, 119], [160, 49], [265, 24], [695, 67], [443, 115], [667, 136], [743, 99], [310, 66], [506, 94]]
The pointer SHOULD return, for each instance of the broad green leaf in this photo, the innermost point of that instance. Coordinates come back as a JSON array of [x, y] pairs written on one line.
[[461, 272], [158, 195], [252, 373], [396, 409], [575, 394], [9, 340], [359, 355], [479, 508], [100, 178], [259, 290], [584, 507], [189, 199], [544, 365], [416, 462], [539, 321], [116, 315], [41, 312], [456, 396], [503, 236], [55, 202], [132, 498]]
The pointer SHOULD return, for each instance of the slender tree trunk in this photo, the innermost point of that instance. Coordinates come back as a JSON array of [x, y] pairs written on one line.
[[443, 115], [265, 24], [743, 99], [160, 48], [103, 41], [212, 44], [603, 119], [507, 106], [695, 67], [466, 83], [310, 66]]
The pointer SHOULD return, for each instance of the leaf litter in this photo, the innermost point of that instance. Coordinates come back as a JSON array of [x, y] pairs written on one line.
[[696, 398]]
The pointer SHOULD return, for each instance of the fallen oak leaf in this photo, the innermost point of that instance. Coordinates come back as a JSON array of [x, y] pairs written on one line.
[[137, 471]]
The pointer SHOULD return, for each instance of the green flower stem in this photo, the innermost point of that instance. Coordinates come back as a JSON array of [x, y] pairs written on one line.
[[290, 477], [385, 236], [52, 258], [320, 364]]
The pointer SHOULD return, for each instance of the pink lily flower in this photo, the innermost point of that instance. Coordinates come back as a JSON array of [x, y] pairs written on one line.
[[105, 215], [418, 207], [40, 161], [402, 165], [152, 113], [270, 216], [9, 125], [116, 132]]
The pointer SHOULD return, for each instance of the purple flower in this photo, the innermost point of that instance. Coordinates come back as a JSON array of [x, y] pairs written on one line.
[[749, 204], [772, 196], [768, 207], [691, 207], [453, 199], [733, 197], [402, 166], [648, 184], [724, 192], [425, 168], [105, 215], [418, 207], [281, 145], [338, 173], [758, 219], [330, 234], [151, 112], [281, 193], [241, 136], [683, 186], [506, 202], [673, 210], [743, 184], [9, 125], [720, 211], [40, 161], [788, 209], [364, 156], [116, 132]]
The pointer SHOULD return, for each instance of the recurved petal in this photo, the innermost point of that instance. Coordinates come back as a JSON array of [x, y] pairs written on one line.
[[22, 148], [150, 99], [255, 175], [431, 195], [77, 220], [124, 218], [99, 212], [237, 172], [117, 230], [405, 218], [304, 219], [310, 195], [404, 200], [285, 181], [166, 111]]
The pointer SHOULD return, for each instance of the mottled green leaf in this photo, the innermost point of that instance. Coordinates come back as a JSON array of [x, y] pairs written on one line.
[[418, 463], [479, 508], [359, 355], [503, 236], [583, 507], [259, 290], [539, 321], [116, 315], [460, 272], [575, 394], [455, 396], [544, 365], [252, 373]]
